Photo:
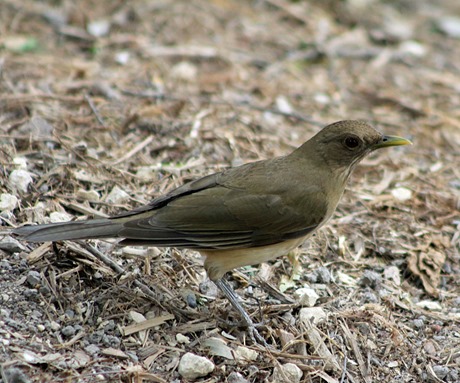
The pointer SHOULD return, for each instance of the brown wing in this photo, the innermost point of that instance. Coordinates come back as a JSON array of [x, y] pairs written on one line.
[[214, 216]]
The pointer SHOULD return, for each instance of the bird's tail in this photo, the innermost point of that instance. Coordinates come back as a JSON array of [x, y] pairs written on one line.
[[88, 229]]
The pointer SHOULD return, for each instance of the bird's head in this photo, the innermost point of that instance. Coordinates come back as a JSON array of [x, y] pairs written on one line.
[[343, 144]]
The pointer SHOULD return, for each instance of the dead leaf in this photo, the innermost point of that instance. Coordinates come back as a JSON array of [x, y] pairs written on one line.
[[427, 266]]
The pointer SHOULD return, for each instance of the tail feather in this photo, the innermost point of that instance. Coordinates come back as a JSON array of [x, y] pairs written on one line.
[[90, 229]]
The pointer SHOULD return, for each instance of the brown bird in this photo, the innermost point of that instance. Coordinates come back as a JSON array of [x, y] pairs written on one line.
[[244, 215]]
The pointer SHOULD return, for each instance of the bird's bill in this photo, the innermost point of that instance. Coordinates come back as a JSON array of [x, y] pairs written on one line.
[[392, 141]]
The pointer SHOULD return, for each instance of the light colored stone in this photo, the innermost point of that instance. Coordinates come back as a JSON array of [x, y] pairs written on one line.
[[88, 195], [98, 28], [184, 70], [20, 179], [192, 366], [8, 202], [287, 373], [306, 296], [312, 314], [117, 196], [236, 377], [122, 57], [20, 163], [450, 25], [402, 194], [59, 216], [181, 338], [429, 305], [245, 354]]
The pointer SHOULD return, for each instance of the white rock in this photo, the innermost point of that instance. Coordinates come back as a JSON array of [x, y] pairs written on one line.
[[122, 57], [88, 195], [287, 373], [245, 354], [345, 279], [146, 173], [283, 104], [192, 366], [429, 305], [450, 25], [184, 70], [412, 48], [117, 195], [135, 251], [8, 202], [181, 338], [306, 296], [236, 377], [391, 273], [20, 162], [98, 28], [218, 347], [322, 98], [20, 179], [58, 216], [401, 194], [312, 314], [55, 326]]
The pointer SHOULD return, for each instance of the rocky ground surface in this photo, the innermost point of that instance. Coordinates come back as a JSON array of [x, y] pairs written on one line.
[[106, 104]]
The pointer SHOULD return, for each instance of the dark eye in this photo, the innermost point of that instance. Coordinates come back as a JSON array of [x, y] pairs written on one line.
[[352, 142]]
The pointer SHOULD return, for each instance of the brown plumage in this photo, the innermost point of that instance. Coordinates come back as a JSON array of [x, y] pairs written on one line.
[[244, 215]]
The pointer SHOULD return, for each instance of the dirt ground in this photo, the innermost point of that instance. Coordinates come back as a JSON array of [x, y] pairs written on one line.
[[106, 104]]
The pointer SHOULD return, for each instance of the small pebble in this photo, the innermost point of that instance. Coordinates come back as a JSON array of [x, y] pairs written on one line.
[[98, 28], [20, 180], [88, 195], [370, 297], [185, 71], [306, 296], [236, 377], [122, 57], [20, 163], [287, 373], [429, 305], [181, 338], [68, 331], [441, 371], [391, 273], [192, 366], [245, 354], [370, 279], [450, 26], [33, 278], [418, 323], [117, 196], [312, 314], [323, 275], [283, 104], [8, 202], [54, 326], [92, 349], [401, 194], [31, 293], [58, 216], [191, 300], [10, 245]]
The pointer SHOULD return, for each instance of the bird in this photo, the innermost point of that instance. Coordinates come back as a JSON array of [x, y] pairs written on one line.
[[243, 215]]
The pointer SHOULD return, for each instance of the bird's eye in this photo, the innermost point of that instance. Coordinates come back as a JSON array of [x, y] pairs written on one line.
[[352, 142]]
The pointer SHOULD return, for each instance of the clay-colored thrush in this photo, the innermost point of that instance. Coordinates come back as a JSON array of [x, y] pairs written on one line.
[[244, 215]]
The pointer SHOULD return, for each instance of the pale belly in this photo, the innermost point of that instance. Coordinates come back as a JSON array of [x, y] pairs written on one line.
[[218, 262]]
